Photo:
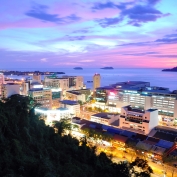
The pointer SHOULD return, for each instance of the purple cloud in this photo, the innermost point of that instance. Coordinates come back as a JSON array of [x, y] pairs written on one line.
[[109, 4], [153, 2], [40, 12], [141, 14], [109, 21], [141, 54], [167, 40], [137, 15]]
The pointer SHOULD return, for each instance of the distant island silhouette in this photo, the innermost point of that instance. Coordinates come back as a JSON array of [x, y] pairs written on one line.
[[107, 68], [78, 68], [171, 70]]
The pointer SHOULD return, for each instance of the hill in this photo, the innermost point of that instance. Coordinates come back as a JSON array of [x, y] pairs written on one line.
[[171, 70], [29, 148]]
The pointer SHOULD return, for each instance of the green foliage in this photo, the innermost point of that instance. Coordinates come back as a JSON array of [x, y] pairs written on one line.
[[29, 148]]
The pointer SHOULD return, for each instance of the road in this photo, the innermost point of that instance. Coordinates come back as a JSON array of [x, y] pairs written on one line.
[[160, 170]]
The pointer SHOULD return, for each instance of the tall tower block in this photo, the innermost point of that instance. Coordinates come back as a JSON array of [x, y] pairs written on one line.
[[96, 81], [1, 81]]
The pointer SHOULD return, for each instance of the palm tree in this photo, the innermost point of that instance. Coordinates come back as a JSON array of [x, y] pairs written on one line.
[[62, 126]]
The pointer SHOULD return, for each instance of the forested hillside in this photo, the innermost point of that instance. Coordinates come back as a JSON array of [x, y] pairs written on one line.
[[29, 148]]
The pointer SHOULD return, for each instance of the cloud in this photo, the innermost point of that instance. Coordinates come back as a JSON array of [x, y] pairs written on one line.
[[86, 61], [169, 38], [100, 6], [141, 54], [81, 31], [141, 14], [109, 21], [109, 4], [136, 44], [153, 2], [40, 12], [44, 60], [75, 38], [165, 56], [136, 15]]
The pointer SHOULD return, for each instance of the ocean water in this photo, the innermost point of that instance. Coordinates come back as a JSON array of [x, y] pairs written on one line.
[[155, 76]]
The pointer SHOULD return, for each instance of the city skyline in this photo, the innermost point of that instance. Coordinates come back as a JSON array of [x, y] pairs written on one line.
[[127, 33]]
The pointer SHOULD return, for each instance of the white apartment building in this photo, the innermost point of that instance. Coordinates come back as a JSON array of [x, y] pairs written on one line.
[[104, 118], [73, 106], [41, 96], [137, 120], [10, 89]]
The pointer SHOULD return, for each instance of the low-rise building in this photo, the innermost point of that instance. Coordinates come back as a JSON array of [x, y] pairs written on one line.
[[50, 115], [9, 89], [73, 106], [104, 118], [140, 121]]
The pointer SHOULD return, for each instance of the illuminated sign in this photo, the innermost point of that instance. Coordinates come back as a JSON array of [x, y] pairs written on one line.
[[112, 94]]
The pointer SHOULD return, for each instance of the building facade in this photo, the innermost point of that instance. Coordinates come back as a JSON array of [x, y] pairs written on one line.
[[137, 120], [96, 81], [42, 96], [10, 89], [104, 118], [1, 81], [141, 95], [73, 106]]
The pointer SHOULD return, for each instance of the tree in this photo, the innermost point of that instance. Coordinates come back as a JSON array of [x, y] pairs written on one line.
[[62, 126], [144, 168]]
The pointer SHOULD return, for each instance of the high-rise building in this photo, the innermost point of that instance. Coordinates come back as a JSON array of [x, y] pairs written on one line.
[[96, 81], [1, 81]]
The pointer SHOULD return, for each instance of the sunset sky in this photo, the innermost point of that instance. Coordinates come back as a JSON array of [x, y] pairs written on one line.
[[88, 33]]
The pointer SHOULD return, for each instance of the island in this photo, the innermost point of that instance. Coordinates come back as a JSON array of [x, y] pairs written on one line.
[[107, 68], [171, 70], [29, 73], [78, 68]]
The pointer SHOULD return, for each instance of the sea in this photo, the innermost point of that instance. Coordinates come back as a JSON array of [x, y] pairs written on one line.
[[155, 76]]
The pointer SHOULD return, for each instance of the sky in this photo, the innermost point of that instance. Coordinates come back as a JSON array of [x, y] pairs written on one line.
[[88, 33]]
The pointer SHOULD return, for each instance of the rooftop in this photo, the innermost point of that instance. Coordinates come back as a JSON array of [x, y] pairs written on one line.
[[69, 102], [103, 115], [74, 92]]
